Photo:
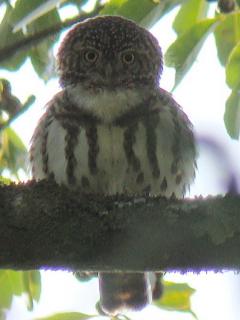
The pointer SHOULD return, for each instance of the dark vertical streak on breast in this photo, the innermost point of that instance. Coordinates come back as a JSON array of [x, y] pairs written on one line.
[[71, 140], [128, 143], [44, 151], [150, 124], [93, 148], [72, 119], [72, 128], [176, 142], [164, 185]]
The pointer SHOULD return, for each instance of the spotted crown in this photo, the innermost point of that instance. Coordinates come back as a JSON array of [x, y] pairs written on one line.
[[109, 51]]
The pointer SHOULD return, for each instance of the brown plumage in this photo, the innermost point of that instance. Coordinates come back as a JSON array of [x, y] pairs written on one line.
[[111, 130]]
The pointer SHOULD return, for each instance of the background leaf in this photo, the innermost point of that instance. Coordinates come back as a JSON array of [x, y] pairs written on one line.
[[176, 297], [15, 283], [190, 12], [232, 113], [233, 67], [43, 8], [129, 9], [146, 13], [10, 285], [227, 35], [7, 38], [182, 53], [4, 180], [13, 152], [68, 316], [40, 54], [2, 315], [32, 286]]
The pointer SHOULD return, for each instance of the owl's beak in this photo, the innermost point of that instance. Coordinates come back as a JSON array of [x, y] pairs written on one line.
[[106, 78], [108, 73]]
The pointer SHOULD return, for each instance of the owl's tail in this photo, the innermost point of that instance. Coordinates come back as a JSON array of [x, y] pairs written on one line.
[[122, 291]]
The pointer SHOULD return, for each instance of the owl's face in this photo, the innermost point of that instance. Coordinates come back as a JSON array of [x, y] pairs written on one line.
[[109, 52]]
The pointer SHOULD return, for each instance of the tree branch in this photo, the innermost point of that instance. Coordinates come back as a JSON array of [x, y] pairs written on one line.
[[43, 225], [33, 39]]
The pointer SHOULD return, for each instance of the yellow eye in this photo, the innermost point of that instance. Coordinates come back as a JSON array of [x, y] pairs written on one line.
[[90, 56], [128, 57]]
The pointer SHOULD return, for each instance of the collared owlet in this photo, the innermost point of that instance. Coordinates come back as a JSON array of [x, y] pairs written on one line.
[[113, 130]]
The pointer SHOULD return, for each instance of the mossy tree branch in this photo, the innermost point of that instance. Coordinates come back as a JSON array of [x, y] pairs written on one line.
[[43, 225]]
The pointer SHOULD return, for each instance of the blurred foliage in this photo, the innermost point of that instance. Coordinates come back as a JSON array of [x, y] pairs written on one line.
[[182, 53], [176, 297], [144, 12], [32, 287], [13, 283], [39, 54], [192, 24], [68, 316], [8, 102], [13, 153]]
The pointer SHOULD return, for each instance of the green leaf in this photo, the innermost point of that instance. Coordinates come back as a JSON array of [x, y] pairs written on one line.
[[232, 113], [227, 35], [3, 315], [7, 38], [32, 286], [176, 297], [36, 12], [191, 12], [10, 285], [39, 54], [15, 140], [120, 317], [15, 283], [145, 13], [68, 316], [6, 181], [13, 152], [162, 8], [168, 5], [129, 9], [233, 67], [23, 8], [183, 52]]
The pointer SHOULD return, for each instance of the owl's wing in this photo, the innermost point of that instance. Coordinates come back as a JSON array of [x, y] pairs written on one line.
[[48, 136], [174, 134], [38, 148]]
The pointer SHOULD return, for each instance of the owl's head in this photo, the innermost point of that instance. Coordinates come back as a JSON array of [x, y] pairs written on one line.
[[109, 52]]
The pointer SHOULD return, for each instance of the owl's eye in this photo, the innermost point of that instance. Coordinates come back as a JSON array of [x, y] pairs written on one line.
[[128, 57], [90, 56]]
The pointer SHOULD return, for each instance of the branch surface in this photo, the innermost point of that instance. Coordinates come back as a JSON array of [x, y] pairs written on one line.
[[43, 225]]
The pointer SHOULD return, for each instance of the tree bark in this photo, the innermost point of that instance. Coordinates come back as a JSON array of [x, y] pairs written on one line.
[[43, 225]]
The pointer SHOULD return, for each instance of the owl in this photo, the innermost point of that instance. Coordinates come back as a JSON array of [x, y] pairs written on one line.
[[112, 130]]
